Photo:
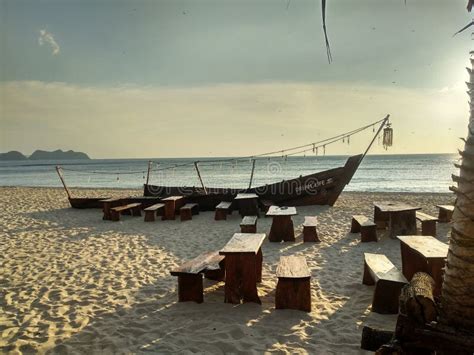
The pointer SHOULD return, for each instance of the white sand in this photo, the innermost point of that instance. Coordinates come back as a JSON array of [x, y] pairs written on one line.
[[71, 282]]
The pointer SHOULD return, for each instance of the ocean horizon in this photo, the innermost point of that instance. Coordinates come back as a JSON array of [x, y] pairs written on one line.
[[377, 173]]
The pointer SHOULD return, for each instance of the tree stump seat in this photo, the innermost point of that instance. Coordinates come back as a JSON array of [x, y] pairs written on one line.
[[249, 224], [294, 284], [152, 211], [190, 285], [188, 210], [222, 210], [133, 209], [310, 234], [428, 223], [366, 227], [388, 281]]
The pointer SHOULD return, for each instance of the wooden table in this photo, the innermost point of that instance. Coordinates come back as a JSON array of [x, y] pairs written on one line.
[[423, 253], [107, 204], [401, 217], [172, 204], [445, 213], [248, 204], [282, 225], [243, 267]]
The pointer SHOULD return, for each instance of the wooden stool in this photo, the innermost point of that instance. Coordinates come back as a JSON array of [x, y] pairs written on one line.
[[310, 233], [294, 284]]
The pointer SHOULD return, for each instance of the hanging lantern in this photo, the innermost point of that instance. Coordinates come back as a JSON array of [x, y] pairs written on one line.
[[343, 140], [324, 149], [348, 140], [387, 136], [314, 148]]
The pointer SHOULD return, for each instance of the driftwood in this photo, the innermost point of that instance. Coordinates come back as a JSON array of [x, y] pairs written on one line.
[[416, 299], [373, 339]]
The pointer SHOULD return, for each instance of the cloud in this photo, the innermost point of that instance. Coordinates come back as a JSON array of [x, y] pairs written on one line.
[[46, 37], [223, 120]]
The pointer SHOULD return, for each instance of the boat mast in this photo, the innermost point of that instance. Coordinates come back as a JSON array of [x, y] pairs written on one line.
[[199, 176], [148, 172], [251, 175], [61, 177], [384, 122]]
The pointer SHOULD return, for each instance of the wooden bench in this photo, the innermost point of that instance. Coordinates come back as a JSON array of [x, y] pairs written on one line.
[[190, 275], [367, 228], [294, 284], [188, 210], [222, 210], [152, 211], [310, 234], [445, 213], [249, 224], [132, 208], [388, 282], [428, 223]]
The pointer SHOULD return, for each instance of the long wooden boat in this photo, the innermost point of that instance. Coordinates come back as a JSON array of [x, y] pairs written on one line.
[[320, 188]]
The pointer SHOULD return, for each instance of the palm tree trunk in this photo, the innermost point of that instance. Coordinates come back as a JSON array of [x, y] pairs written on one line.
[[457, 295]]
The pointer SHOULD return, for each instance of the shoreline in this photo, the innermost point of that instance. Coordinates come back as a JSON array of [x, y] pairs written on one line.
[[76, 283], [141, 190]]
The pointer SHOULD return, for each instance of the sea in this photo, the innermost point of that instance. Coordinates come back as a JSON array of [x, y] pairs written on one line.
[[377, 173]]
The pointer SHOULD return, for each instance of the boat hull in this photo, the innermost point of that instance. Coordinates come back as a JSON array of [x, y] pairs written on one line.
[[322, 188]]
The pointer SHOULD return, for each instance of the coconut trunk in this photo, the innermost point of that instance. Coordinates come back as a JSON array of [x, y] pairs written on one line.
[[457, 295]]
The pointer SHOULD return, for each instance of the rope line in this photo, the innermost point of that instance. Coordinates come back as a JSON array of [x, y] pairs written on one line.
[[282, 153]]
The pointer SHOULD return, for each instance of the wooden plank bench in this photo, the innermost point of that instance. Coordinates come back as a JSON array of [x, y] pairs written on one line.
[[132, 208], [190, 275], [388, 282], [152, 211], [445, 213], [249, 224], [294, 284], [222, 210], [367, 228], [428, 223], [310, 234], [188, 210]]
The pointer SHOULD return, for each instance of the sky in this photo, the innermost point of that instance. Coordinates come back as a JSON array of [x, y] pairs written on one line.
[[181, 78]]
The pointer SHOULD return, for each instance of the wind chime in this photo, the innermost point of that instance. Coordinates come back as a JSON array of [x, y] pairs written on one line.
[[387, 136]]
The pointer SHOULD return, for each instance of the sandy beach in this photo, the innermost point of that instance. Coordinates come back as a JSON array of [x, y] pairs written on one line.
[[73, 283]]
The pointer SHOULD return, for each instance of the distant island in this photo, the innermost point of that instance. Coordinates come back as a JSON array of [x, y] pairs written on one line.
[[44, 155]]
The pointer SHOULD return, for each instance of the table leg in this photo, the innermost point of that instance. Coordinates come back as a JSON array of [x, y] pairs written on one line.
[[259, 265], [232, 279], [249, 282], [412, 262], [248, 207], [282, 229], [380, 218], [402, 223], [241, 278], [169, 210], [435, 269], [106, 209], [444, 216]]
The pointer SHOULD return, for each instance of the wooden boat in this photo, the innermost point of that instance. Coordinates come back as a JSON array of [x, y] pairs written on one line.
[[320, 188]]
